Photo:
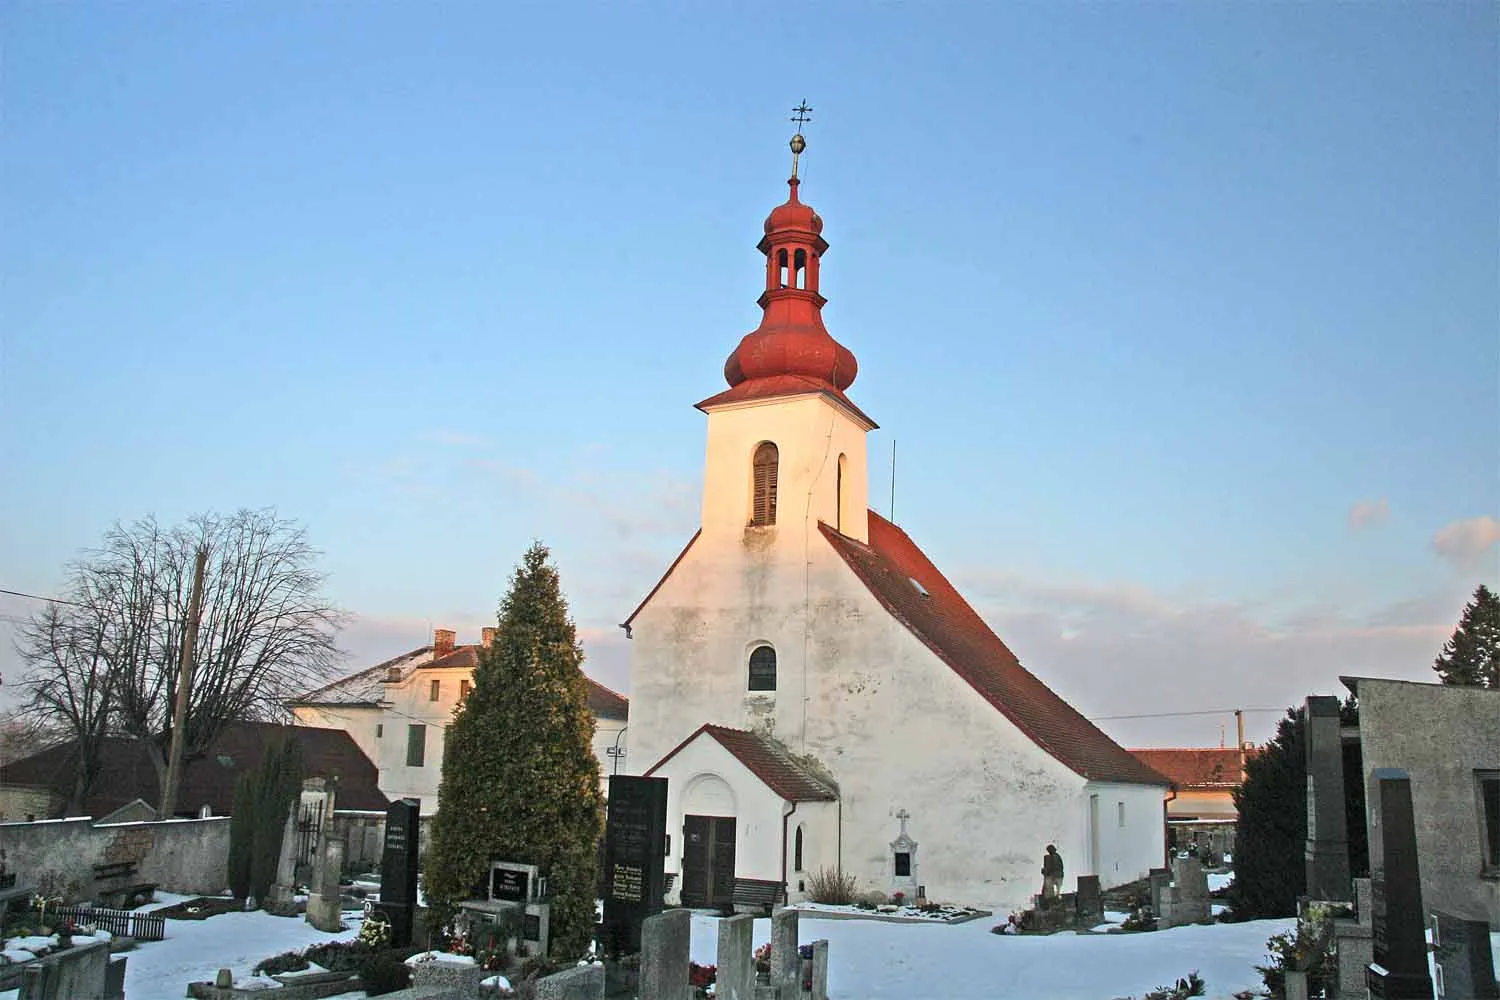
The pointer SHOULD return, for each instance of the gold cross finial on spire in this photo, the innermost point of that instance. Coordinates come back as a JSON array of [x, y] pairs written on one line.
[[801, 115]]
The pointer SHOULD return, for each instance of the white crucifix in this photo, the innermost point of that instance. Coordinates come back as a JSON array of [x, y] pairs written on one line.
[[903, 816]]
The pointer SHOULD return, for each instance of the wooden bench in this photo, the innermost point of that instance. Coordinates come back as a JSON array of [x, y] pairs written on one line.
[[123, 894], [755, 895]]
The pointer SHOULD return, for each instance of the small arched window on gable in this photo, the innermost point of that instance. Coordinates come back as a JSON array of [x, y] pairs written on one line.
[[797, 851], [763, 504], [762, 669]]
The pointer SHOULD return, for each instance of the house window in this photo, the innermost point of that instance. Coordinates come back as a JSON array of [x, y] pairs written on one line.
[[464, 687], [903, 863], [379, 730], [1120, 811], [1489, 815], [433, 689], [763, 669], [763, 506], [797, 852], [416, 745]]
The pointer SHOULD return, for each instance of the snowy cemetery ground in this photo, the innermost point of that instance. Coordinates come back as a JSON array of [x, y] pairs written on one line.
[[869, 959]]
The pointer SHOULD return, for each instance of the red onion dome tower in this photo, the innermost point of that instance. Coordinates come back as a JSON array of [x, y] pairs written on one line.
[[791, 341]]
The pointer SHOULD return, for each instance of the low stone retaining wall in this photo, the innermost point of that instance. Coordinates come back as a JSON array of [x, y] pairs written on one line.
[[182, 855]]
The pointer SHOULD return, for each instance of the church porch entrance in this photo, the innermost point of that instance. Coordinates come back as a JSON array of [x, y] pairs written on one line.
[[708, 861]]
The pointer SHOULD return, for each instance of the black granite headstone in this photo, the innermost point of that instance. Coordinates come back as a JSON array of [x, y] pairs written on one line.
[[1399, 971], [635, 841], [509, 885], [398, 870], [1466, 968]]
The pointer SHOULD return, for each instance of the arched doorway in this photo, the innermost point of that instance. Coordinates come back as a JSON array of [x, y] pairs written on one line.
[[708, 831]]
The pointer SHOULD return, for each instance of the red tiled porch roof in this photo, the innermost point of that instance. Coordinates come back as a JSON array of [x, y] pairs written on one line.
[[765, 759]]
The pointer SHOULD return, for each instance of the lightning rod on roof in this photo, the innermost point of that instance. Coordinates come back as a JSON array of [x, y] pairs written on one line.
[[893, 480]]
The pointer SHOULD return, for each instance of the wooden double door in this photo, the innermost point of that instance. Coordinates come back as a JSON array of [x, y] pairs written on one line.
[[708, 861]]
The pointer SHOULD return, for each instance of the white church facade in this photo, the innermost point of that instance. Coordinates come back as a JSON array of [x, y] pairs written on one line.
[[816, 691]]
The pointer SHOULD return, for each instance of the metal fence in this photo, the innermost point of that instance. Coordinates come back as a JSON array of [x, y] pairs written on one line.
[[124, 923]]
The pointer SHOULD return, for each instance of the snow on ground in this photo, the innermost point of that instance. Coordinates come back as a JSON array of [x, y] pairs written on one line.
[[1220, 880], [875, 960]]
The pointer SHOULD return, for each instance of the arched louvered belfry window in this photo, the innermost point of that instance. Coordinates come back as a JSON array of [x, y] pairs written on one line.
[[763, 669], [763, 505]]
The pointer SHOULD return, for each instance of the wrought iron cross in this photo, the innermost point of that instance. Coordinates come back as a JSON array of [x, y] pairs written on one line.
[[801, 114]]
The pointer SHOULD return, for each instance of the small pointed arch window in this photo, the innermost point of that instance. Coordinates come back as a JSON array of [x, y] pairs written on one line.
[[763, 501], [762, 669], [799, 266], [797, 851]]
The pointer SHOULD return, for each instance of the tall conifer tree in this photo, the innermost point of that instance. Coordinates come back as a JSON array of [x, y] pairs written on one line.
[[520, 780], [1471, 656]]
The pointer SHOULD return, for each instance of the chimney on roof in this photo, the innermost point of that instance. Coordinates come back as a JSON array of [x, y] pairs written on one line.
[[442, 641], [486, 636]]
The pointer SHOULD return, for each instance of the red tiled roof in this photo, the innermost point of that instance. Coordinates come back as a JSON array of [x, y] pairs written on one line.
[[607, 704], [461, 656], [767, 760], [1195, 767], [777, 386], [127, 774], [953, 630]]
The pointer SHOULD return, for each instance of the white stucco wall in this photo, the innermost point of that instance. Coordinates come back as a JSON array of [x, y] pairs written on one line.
[[893, 723], [1131, 833], [608, 734]]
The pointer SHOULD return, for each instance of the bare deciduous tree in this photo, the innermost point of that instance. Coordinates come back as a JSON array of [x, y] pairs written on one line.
[[265, 633]]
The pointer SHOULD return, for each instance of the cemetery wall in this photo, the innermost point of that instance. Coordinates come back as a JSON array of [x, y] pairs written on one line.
[[188, 856], [1441, 735]]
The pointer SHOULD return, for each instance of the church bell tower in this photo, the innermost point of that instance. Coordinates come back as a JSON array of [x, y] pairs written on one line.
[[786, 446]]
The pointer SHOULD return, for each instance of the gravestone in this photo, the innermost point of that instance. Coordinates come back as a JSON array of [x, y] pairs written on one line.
[[665, 938], [1326, 852], [635, 839], [1400, 937], [324, 905], [819, 978], [1090, 901], [71, 974], [1465, 967], [582, 982], [1160, 883], [398, 870], [1353, 946], [736, 970], [281, 900], [786, 958], [1294, 986]]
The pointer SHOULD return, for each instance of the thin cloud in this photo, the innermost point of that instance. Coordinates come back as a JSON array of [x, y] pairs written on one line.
[[1464, 544], [1368, 512], [456, 439]]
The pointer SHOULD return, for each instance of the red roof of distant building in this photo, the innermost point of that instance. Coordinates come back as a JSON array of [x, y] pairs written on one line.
[[767, 760], [939, 616], [1195, 767], [127, 774]]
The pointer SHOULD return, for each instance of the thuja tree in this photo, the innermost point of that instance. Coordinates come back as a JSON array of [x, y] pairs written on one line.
[[242, 835], [520, 781], [275, 787], [1271, 834]]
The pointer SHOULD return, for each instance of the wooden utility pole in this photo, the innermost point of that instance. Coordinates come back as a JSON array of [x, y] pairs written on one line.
[[184, 687], [1239, 739]]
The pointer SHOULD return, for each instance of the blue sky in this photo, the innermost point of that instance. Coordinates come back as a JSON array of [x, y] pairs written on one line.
[[1183, 316]]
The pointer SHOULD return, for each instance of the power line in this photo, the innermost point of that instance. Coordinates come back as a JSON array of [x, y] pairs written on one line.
[[38, 597], [1174, 715]]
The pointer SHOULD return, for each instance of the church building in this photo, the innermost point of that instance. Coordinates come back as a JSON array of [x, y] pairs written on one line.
[[816, 691]]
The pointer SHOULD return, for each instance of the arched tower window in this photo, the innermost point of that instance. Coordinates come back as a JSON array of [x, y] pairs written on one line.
[[781, 265], [763, 504], [797, 851], [763, 669], [838, 495], [799, 265]]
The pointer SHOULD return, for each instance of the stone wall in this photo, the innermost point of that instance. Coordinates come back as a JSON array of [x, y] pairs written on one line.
[[187, 856], [1441, 736]]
